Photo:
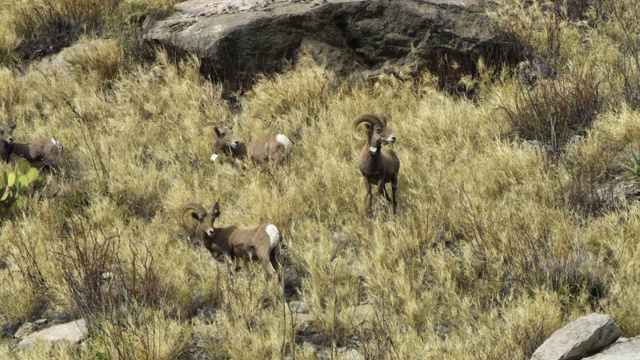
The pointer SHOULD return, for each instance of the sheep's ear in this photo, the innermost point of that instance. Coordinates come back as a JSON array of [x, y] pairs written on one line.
[[12, 126], [217, 131], [196, 216], [215, 209], [368, 126]]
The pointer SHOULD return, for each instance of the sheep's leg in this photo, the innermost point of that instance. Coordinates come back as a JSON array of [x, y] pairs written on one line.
[[265, 257], [273, 256], [368, 198], [53, 163], [235, 164], [385, 192], [268, 267], [382, 190], [277, 155], [394, 193]]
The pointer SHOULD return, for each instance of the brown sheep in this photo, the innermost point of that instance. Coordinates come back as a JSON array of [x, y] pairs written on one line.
[[260, 242], [378, 165], [40, 153], [270, 149]]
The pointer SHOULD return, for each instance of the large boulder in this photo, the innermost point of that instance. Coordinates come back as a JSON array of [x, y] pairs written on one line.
[[237, 39], [72, 332], [582, 337], [623, 349]]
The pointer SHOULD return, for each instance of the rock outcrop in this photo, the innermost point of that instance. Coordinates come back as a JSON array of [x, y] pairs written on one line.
[[580, 338], [623, 349], [72, 332], [237, 39]]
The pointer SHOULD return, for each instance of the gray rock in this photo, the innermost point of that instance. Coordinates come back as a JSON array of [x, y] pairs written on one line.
[[340, 353], [73, 332], [359, 317], [24, 330], [584, 336], [347, 35], [616, 193], [29, 327], [303, 322], [298, 307], [627, 349], [5, 263]]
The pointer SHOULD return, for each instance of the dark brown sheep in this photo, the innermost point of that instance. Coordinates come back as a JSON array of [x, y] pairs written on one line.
[[378, 165]]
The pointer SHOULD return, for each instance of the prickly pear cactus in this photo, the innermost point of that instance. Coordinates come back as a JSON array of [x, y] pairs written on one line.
[[17, 184]]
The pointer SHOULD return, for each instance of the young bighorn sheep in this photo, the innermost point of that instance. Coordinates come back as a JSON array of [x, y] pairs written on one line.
[[40, 153], [272, 148], [260, 242], [378, 166]]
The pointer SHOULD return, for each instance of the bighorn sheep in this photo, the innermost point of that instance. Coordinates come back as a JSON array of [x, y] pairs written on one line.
[[272, 148], [378, 166], [260, 242], [43, 152]]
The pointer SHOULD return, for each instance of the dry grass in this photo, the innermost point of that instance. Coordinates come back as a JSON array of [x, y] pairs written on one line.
[[485, 258]]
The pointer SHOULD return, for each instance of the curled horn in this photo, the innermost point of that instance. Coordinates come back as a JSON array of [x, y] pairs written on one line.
[[199, 209], [368, 118]]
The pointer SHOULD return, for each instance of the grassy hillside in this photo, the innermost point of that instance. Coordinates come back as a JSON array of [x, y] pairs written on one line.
[[495, 246]]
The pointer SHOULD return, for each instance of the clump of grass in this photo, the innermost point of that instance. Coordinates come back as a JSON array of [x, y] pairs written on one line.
[[632, 168], [46, 27], [102, 60], [557, 110], [37, 29]]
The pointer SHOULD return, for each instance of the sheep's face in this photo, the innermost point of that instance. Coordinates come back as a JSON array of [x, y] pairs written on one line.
[[207, 219], [379, 134], [225, 138], [6, 132]]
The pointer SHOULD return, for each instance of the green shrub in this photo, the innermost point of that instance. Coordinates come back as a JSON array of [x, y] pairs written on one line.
[[16, 185]]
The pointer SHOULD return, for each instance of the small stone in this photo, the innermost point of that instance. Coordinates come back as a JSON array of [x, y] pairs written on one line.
[[303, 321], [359, 317], [298, 307]]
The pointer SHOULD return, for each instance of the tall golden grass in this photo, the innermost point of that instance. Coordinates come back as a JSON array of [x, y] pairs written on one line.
[[485, 258]]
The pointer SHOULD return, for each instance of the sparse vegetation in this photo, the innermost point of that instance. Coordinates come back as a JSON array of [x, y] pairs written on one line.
[[493, 247]]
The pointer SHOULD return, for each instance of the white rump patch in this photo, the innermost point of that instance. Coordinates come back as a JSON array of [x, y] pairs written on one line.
[[373, 150], [57, 144], [284, 140], [274, 235], [213, 157]]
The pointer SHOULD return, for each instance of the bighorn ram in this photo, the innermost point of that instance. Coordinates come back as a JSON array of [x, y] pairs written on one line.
[[378, 166], [272, 148], [260, 242], [43, 152]]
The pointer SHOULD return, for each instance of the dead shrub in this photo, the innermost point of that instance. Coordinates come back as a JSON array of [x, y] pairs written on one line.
[[50, 25], [556, 110]]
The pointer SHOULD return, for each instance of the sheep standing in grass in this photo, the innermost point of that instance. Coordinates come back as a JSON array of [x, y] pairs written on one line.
[[40, 153], [270, 149], [260, 242], [378, 165]]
